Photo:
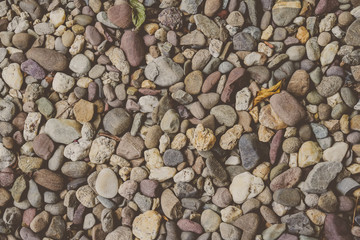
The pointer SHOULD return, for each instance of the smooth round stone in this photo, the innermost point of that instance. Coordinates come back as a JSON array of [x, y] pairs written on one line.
[[324, 38], [285, 11], [75, 169], [307, 65], [279, 34], [224, 114], [222, 197], [120, 15], [83, 20], [335, 71], [329, 86], [299, 83], [43, 146], [26, 233], [172, 157], [349, 96], [149, 188], [315, 98], [287, 108], [353, 137], [284, 71], [291, 145], [107, 183], [117, 121], [296, 53], [287, 196], [225, 67], [50, 60], [324, 111], [80, 64], [339, 110], [210, 220], [259, 73], [319, 130]]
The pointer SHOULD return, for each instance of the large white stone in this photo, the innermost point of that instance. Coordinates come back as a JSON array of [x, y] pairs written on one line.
[[62, 82], [336, 153], [107, 183], [12, 76], [245, 186]]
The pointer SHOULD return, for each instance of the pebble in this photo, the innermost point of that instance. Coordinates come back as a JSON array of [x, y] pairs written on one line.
[[120, 15], [132, 40], [116, 114], [224, 114], [50, 60], [146, 225], [285, 11], [288, 197], [12, 76], [106, 183], [317, 181], [245, 186], [298, 223], [101, 150], [287, 108], [164, 72], [122, 123], [63, 83], [63, 130], [80, 64]]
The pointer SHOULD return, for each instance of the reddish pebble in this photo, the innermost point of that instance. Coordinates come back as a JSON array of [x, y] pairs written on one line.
[[187, 225], [28, 216], [6, 177]]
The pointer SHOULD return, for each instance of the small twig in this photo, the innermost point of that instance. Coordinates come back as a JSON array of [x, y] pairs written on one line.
[[68, 108], [110, 136], [355, 210]]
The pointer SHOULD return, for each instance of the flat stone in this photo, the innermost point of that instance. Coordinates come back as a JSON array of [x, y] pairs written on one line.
[[146, 225], [336, 228], [287, 108], [117, 121], [50, 60], [224, 114], [285, 11], [310, 153], [49, 180], [287, 179], [336, 153], [251, 150], [164, 72], [245, 186], [352, 34], [130, 147], [13, 76], [289, 197], [207, 26], [33, 69], [320, 176], [43, 146], [63, 130], [298, 223], [106, 183], [274, 231], [133, 46]]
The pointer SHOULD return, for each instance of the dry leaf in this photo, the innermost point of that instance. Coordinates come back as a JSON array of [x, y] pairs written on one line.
[[267, 92]]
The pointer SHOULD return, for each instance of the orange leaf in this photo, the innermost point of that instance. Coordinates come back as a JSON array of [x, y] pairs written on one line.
[[267, 92]]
